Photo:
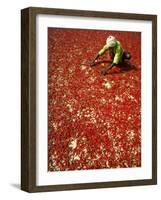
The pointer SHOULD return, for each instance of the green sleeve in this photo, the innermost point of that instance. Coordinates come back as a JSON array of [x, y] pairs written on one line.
[[117, 58], [102, 51], [118, 55]]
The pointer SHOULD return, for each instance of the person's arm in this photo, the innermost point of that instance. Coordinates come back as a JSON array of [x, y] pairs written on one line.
[[117, 58], [100, 53], [105, 71], [103, 50], [118, 55]]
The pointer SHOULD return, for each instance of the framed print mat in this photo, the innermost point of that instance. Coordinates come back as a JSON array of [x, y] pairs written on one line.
[[89, 99]]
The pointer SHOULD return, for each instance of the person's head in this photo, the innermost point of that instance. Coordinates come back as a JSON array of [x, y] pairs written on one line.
[[111, 41]]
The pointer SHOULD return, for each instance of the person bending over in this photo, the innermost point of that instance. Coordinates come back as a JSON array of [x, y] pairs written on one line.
[[118, 55]]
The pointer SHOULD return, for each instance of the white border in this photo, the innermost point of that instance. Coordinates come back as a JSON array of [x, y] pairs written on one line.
[[102, 175]]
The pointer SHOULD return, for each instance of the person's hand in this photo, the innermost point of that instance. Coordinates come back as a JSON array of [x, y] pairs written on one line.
[[95, 58], [92, 63], [105, 71]]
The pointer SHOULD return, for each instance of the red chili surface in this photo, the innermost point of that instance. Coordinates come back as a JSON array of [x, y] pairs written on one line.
[[94, 121]]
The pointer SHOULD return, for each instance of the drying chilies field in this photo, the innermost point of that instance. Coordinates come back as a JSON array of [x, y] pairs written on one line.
[[94, 120]]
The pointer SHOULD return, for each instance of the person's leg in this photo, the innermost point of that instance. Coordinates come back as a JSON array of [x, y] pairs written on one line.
[[125, 64], [126, 56]]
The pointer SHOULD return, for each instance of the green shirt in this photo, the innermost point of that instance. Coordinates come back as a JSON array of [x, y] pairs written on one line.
[[117, 50]]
